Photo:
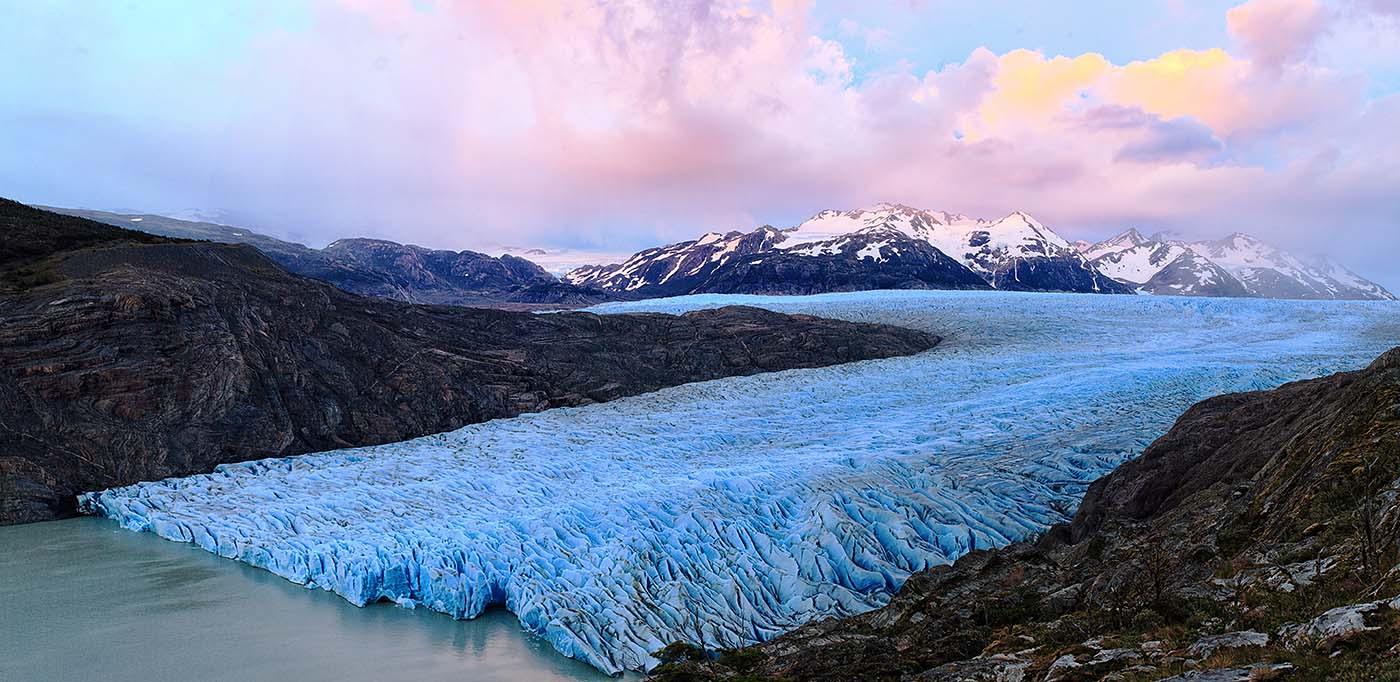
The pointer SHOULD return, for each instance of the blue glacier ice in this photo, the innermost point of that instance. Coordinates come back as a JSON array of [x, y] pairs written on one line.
[[730, 511]]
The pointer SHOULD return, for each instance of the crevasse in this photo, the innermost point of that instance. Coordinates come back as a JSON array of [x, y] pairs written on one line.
[[727, 512]]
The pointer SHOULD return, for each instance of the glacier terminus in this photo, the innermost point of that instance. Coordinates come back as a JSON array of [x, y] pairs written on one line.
[[727, 512]]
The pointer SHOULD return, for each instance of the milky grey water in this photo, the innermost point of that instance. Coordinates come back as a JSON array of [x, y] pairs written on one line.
[[83, 600]]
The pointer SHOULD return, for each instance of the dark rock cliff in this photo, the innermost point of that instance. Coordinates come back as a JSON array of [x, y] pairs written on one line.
[[127, 357]]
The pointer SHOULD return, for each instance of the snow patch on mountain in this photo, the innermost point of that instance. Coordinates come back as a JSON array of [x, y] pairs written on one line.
[[1139, 263]]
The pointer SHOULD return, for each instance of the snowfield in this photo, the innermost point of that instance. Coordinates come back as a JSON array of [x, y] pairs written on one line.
[[730, 511]]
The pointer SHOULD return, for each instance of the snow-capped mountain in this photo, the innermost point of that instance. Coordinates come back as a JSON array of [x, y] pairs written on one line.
[[675, 269], [892, 246], [1238, 265], [1273, 273], [1138, 263], [875, 258], [1157, 265], [1191, 274], [1129, 239], [886, 246], [1015, 253], [770, 261], [1332, 271]]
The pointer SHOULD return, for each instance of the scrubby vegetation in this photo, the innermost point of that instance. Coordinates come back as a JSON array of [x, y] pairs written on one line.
[[29, 235]]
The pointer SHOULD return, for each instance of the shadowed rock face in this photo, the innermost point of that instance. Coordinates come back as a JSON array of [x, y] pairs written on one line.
[[1219, 532], [1054, 273], [124, 360]]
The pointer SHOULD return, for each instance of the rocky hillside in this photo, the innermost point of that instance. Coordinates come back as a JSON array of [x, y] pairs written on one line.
[[28, 236], [126, 357], [1258, 540], [378, 267]]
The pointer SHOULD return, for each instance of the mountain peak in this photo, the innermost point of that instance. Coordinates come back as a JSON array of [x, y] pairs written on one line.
[[1130, 238], [1021, 217], [1242, 238], [1127, 238], [892, 207]]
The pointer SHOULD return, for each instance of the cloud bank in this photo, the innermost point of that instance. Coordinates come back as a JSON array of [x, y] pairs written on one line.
[[622, 123]]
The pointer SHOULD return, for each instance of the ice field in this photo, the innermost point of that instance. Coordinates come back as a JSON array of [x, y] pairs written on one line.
[[730, 511]]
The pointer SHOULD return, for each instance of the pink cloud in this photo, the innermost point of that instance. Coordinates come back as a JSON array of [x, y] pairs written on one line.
[[1390, 7], [1278, 32], [626, 123]]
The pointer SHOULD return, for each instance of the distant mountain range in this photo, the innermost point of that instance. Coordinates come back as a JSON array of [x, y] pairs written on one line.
[[377, 267], [887, 246], [1238, 265], [891, 246]]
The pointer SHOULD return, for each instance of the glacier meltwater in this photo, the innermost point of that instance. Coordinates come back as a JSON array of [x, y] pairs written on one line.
[[727, 512]]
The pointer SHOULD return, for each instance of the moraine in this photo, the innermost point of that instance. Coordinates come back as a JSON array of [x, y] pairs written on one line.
[[733, 510]]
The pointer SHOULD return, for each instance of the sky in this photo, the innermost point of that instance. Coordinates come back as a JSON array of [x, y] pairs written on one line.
[[616, 125]]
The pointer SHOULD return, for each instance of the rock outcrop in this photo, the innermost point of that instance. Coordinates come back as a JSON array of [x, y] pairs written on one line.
[[126, 357]]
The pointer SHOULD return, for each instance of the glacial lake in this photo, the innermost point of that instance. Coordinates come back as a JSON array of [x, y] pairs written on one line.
[[82, 599], [723, 512]]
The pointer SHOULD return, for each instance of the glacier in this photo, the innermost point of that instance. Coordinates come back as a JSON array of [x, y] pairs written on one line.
[[727, 512]]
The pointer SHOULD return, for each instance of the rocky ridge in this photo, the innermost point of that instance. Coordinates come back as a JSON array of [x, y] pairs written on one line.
[[383, 268]]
